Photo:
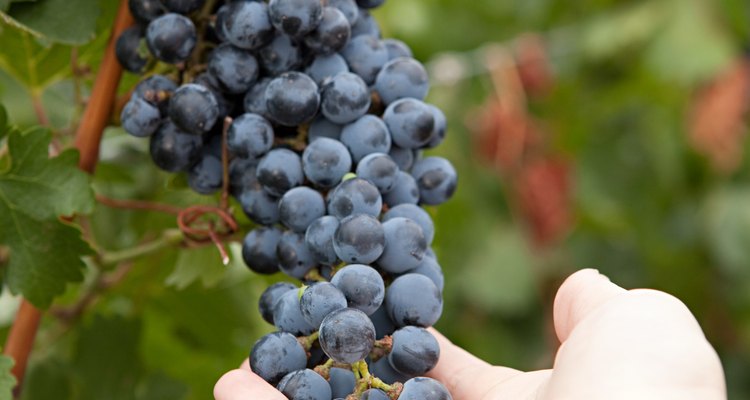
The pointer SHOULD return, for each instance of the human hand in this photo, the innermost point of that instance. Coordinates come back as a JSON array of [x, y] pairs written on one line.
[[616, 344]]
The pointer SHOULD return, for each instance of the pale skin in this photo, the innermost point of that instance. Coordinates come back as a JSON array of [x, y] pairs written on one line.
[[616, 344]]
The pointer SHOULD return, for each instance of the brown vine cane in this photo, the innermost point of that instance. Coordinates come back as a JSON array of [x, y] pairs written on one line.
[[98, 110]]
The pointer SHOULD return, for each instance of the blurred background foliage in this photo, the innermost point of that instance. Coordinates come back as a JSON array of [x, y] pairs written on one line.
[[598, 133]]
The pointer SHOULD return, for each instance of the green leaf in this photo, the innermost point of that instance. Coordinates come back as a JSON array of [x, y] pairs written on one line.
[[7, 380], [29, 58], [48, 378], [203, 263], [44, 252], [3, 122], [63, 21], [728, 223]]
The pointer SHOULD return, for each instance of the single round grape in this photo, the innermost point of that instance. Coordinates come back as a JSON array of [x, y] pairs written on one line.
[[413, 299], [405, 191], [383, 370], [401, 78], [270, 296], [325, 67], [366, 56], [332, 33], [242, 174], [347, 7], [380, 170], [299, 207], [323, 128], [295, 18], [430, 268], [416, 214], [255, 99], [319, 239], [156, 89], [410, 122], [404, 158], [347, 335], [292, 99], [405, 245], [354, 196], [235, 68], [205, 177], [345, 98], [365, 25], [246, 24], [370, 3], [397, 48], [280, 170], [250, 135], [193, 108], [440, 129], [362, 286], [342, 382], [183, 6], [424, 388], [374, 394], [415, 351], [320, 299], [171, 38], [145, 11], [275, 355], [436, 178], [382, 322], [325, 161], [305, 384], [174, 150], [216, 27], [259, 205], [140, 118], [210, 82], [287, 316], [127, 50], [359, 239], [295, 259], [259, 250], [280, 55], [366, 135]]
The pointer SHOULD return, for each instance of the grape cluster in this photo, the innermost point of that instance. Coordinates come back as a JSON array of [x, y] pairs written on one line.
[[324, 123]]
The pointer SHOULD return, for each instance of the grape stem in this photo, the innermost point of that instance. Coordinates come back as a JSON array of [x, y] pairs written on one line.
[[308, 341], [314, 275], [381, 348], [365, 381]]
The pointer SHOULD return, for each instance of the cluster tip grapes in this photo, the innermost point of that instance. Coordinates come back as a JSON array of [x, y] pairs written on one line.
[[324, 123]]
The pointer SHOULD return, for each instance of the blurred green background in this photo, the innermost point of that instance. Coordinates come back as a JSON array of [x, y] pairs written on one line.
[[592, 133]]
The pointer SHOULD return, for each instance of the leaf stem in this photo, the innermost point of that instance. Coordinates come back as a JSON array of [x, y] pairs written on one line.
[[168, 238]]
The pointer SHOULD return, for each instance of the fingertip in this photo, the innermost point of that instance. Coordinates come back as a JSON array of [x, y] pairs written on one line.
[[240, 384], [580, 294], [246, 365]]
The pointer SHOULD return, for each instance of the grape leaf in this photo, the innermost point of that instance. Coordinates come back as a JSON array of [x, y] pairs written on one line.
[[62, 21], [45, 253], [7, 380], [3, 122], [204, 264]]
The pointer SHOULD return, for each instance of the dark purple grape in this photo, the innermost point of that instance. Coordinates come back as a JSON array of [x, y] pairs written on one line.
[[413, 299], [366, 135], [259, 250], [347, 335], [405, 191], [344, 98], [255, 99], [235, 69], [156, 89], [260, 206], [325, 161], [404, 158], [441, 126], [145, 11], [374, 394], [382, 322], [139, 118], [405, 245], [415, 351], [275, 355], [359, 239], [270, 296], [250, 135], [416, 214], [348, 8], [342, 382], [206, 176], [397, 48], [370, 3], [299, 207], [320, 299], [171, 38], [292, 99], [127, 50], [410, 122], [366, 56], [183, 6], [242, 175], [319, 239], [305, 384], [246, 24], [174, 150], [295, 259], [362, 286], [380, 170], [436, 178], [332, 33], [280, 170], [287, 316], [193, 108], [402, 78], [365, 25], [354, 196], [323, 128], [281, 55], [383, 370], [424, 388], [295, 17], [325, 67]]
